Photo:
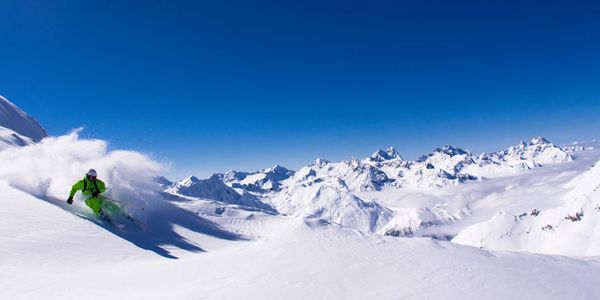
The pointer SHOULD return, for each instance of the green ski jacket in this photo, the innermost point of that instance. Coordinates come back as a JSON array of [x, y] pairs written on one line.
[[87, 187]]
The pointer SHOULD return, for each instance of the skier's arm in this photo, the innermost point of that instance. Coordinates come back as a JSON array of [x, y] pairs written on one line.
[[78, 186], [101, 186]]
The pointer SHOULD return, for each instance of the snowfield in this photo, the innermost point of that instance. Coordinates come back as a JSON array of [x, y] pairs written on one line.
[[517, 223], [572, 228], [67, 257], [205, 248]]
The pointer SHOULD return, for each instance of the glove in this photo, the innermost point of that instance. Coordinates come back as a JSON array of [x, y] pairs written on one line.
[[95, 193], [70, 200]]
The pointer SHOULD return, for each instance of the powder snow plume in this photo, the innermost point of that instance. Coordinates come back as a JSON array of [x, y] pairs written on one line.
[[49, 169]]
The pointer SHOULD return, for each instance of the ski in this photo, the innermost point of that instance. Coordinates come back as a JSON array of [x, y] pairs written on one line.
[[123, 213]]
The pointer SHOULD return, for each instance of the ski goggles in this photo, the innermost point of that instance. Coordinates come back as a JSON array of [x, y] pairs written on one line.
[[90, 177]]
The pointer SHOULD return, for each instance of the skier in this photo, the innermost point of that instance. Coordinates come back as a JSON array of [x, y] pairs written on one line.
[[91, 187]]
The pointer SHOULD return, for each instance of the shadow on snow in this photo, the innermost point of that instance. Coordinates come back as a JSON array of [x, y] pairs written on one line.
[[159, 232]]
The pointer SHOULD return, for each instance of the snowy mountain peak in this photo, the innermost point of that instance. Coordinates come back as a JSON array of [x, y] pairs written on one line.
[[381, 155], [234, 175], [538, 152], [266, 180], [192, 179], [539, 141], [277, 169], [321, 162], [451, 151], [163, 181], [213, 188], [15, 119]]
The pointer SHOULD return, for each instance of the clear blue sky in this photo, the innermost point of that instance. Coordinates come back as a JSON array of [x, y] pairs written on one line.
[[216, 85]]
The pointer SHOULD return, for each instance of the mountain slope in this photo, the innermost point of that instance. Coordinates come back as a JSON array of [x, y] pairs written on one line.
[[306, 194], [326, 241], [213, 188], [291, 258], [348, 192], [263, 181], [10, 139], [572, 228], [13, 118]]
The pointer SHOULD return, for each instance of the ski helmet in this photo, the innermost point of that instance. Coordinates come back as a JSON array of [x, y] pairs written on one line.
[[91, 173]]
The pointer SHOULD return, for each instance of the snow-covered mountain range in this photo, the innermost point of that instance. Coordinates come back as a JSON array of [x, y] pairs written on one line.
[[333, 191], [369, 194], [344, 229]]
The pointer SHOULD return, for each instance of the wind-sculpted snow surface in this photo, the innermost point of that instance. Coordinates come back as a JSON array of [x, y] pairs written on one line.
[[572, 228]]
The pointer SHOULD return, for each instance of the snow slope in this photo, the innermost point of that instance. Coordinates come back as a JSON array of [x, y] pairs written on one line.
[[66, 257], [13, 118], [263, 181], [213, 188], [11, 139], [573, 228], [329, 230], [202, 248], [308, 195]]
